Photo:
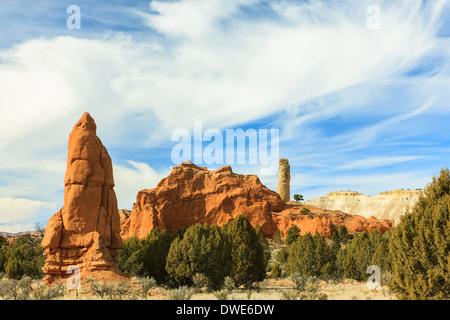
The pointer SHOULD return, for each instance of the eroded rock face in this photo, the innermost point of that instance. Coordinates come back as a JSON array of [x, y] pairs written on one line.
[[86, 231], [284, 180], [325, 222], [386, 205], [192, 194]]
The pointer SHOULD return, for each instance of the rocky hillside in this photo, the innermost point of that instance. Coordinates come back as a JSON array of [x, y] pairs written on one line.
[[192, 194], [386, 205]]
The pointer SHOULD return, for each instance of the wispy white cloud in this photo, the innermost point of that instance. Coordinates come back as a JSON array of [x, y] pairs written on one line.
[[375, 162], [19, 214], [133, 178]]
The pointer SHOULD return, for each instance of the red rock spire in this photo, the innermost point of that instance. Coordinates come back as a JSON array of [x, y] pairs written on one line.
[[85, 232]]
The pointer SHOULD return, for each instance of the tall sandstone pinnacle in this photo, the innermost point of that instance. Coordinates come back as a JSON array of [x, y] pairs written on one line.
[[284, 180], [86, 231]]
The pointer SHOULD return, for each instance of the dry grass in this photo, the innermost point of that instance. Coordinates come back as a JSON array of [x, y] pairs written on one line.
[[270, 289]]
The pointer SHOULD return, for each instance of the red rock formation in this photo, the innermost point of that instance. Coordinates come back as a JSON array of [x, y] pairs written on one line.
[[326, 222], [85, 232], [192, 194]]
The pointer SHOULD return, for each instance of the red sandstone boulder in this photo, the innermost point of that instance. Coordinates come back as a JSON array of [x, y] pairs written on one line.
[[85, 232]]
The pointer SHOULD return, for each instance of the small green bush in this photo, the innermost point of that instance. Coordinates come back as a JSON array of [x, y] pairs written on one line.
[[182, 293]]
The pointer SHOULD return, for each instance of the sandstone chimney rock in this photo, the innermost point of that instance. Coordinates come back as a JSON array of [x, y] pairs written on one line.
[[86, 231], [284, 180], [192, 194]]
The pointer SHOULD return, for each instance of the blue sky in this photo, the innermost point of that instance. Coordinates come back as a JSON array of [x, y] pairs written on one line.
[[357, 108]]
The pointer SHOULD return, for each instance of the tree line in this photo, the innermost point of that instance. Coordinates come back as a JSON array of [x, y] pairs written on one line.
[[237, 251], [23, 257]]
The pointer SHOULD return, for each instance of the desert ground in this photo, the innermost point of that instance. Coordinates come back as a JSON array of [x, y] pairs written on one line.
[[269, 289]]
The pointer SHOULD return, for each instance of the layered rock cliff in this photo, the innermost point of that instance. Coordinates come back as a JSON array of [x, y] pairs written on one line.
[[386, 205]]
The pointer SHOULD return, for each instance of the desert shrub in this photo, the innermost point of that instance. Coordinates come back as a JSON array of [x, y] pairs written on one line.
[[237, 250], [108, 290], [181, 293], [146, 284], [229, 284], [359, 253], [249, 252], [55, 291], [221, 294], [146, 257], [203, 249], [342, 233], [13, 289], [200, 281], [290, 295], [292, 234], [381, 256], [282, 255], [311, 256], [3, 241], [305, 288], [276, 270], [129, 258], [305, 211], [155, 248], [278, 237], [23, 258], [420, 245], [14, 269]]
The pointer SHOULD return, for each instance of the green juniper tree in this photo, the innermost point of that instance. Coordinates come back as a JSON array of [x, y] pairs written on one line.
[[420, 245], [202, 250], [22, 258], [249, 252], [358, 254], [292, 234], [155, 248], [311, 256]]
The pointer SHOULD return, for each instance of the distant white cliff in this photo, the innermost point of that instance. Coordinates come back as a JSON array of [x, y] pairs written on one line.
[[386, 205]]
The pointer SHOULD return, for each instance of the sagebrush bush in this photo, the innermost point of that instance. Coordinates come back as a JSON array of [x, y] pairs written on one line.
[[181, 293], [13, 289]]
